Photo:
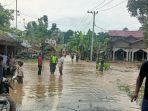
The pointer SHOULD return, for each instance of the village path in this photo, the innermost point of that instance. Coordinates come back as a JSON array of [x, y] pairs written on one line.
[[81, 88]]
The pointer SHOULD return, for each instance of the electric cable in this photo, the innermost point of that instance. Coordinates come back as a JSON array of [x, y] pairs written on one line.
[[105, 4], [98, 5], [114, 6]]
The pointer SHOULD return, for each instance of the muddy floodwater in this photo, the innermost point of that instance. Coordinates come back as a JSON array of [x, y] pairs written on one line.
[[81, 88]]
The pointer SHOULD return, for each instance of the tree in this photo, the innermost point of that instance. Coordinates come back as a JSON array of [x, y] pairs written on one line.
[[125, 29], [38, 28], [73, 42], [56, 34], [139, 9], [102, 46], [67, 35], [6, 16], [145, 28]]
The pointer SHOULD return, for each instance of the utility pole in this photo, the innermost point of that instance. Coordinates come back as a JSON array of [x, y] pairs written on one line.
[[16, 16], [92, 40]]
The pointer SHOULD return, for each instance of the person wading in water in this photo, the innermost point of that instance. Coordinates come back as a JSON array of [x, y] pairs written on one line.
[[53, 62], [40, 61]]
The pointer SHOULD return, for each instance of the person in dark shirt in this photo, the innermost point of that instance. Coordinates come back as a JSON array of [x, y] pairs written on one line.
[[77, 57], [1, 69], [143, 74]]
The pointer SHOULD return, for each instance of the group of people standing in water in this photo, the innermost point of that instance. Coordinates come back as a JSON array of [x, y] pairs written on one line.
[[54, 59]]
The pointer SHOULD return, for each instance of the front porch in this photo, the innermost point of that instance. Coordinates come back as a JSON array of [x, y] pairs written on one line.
[[129, 54]]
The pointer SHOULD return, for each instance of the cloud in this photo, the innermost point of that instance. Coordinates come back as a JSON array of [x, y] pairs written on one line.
[[69, 13]]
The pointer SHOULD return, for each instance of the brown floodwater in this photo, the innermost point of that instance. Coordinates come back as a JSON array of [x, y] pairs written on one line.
[[81, 88]]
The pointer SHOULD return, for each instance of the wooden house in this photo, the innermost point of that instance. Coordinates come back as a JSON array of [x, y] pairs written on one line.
[[8, 44], [127, 46]]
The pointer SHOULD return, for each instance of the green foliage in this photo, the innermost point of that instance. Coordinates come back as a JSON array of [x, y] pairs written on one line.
[[125, 88], [6, 16], [37, 28], [106, 66], [145, 27], [59, 47], [81, 42], [67, 35], [38, 31], [128, 90], [139, 9]]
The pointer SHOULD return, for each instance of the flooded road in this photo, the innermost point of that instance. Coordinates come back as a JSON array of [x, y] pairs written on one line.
[[81, 88]]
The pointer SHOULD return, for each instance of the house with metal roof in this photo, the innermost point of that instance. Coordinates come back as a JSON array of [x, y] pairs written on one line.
[[127, 45], [8, 44]]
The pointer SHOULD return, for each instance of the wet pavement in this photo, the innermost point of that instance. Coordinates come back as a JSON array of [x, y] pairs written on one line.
[[81, 88]]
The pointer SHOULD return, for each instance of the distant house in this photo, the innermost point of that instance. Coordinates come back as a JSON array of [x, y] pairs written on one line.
[[8, 44], [127, 45], [51, 42]]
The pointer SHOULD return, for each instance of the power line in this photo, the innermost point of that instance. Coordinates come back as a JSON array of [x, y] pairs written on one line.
[[85, 16], [83, 21], [101, 28], [86, 25], [105, 4], [98, 5], [114, 6]]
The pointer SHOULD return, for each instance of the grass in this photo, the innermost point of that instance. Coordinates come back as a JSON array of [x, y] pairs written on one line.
[[127, 89]]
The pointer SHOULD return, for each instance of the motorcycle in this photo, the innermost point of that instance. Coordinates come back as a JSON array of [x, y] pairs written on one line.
[[6, 103]]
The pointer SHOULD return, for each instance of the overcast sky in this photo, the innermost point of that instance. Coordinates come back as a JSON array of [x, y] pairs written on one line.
[[72, 14]]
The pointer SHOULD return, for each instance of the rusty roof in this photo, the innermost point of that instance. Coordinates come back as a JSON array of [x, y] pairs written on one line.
[[7, 38], [121, 33]]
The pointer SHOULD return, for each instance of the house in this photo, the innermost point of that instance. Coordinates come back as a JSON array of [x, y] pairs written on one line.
[[8, 44], [127, 45]]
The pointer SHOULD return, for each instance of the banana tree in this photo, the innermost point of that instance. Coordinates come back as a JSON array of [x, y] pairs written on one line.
[[102, 45], [73, 43]]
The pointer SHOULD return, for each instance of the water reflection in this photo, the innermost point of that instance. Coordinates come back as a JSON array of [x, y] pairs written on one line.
[[99, 74], [17, 95], [39, 89], [55, 86]]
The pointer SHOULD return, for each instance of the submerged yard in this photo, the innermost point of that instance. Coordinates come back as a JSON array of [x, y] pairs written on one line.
[[81, 88]]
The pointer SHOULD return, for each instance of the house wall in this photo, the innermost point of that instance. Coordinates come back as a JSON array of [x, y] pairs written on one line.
[[120, 44], [10, 50], [130, 49], [139, 45]]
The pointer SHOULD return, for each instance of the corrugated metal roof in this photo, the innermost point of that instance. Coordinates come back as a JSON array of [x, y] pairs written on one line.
[[7, 38], [120, 33]]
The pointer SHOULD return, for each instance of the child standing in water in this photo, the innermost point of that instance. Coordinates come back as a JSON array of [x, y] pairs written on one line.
[[19, 72], [60, 64]]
